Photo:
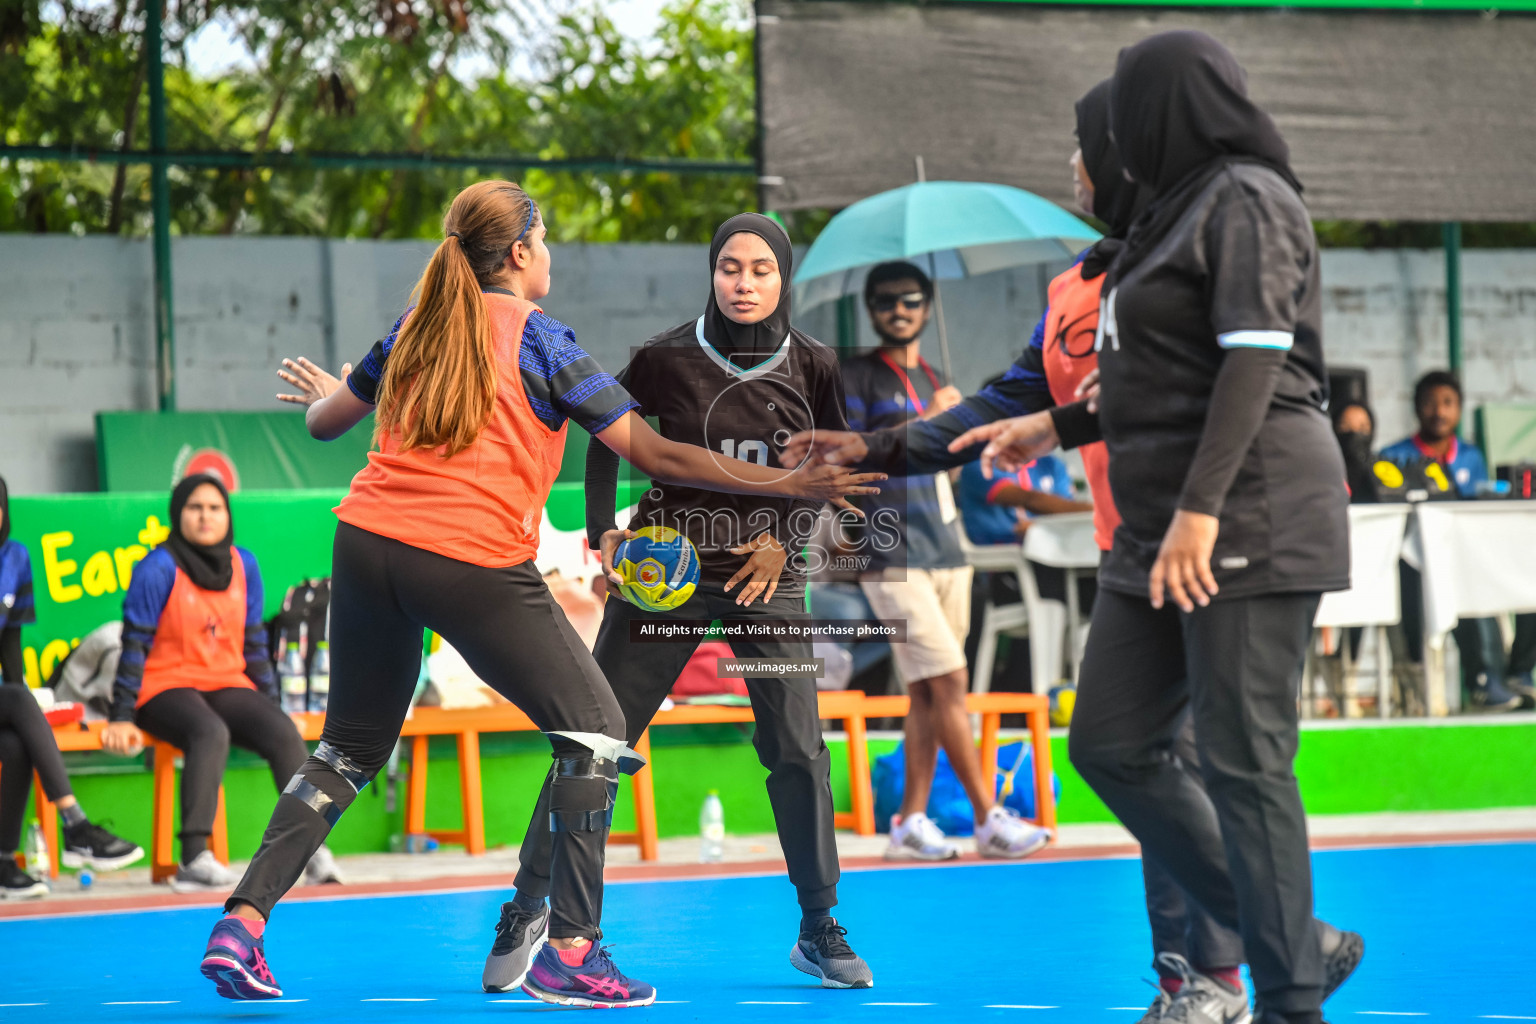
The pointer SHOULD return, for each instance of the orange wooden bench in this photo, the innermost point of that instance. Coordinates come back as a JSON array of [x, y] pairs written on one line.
[[162, 854], [853, 708]]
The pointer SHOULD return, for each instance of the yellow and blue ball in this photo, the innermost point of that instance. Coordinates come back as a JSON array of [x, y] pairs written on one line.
[[659, 566]]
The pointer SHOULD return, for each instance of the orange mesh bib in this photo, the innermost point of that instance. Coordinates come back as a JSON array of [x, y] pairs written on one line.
[[484, 504], [200, 640], [1070, 324]]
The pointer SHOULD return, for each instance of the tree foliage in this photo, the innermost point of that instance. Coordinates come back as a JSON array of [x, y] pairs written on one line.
[[380, 76]]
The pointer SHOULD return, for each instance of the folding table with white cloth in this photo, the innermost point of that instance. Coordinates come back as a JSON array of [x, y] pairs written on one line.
[[1478, 558]]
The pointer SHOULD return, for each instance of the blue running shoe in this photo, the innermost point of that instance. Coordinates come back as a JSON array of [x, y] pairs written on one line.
[[594, 982], [236, 964]]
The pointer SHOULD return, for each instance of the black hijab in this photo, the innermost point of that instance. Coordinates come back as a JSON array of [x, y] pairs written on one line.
[[748, 344], [1116, 201], [5, 511], [1180, 114], [209, 566]]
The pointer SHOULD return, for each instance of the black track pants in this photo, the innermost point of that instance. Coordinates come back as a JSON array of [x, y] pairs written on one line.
[[515, 638], [202, 725], [1179, 925], [787, 737], [26, 744], [1238, 844]]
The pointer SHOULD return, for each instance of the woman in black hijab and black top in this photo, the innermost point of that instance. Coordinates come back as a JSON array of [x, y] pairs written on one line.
[[1231, 488], [739, 381]]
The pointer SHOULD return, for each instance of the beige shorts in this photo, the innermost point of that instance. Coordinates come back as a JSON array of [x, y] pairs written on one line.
[[935, 604]]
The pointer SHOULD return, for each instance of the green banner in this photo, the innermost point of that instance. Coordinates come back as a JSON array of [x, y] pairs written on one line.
[[150, 451], [256, 451], [84, 547]]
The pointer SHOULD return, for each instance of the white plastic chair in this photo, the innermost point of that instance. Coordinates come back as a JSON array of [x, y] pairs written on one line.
[[1066, 542]]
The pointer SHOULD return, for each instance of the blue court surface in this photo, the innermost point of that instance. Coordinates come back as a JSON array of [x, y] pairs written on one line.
[[1448, 937]]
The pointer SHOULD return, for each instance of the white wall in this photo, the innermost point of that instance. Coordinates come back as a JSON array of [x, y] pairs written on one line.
[[77, 332]]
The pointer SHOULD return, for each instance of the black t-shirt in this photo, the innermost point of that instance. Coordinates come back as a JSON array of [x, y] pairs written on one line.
[[702, 398], [910, 525], [1238, 270]]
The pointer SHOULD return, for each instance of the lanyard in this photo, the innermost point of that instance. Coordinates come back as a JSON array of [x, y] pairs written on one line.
[[933, 379]]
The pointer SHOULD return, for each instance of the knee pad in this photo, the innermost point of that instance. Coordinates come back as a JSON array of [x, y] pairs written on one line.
[[607, 748], [582, 791], [329, 786]]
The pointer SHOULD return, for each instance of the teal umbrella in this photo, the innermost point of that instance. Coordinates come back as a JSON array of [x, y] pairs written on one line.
[[954, 229]]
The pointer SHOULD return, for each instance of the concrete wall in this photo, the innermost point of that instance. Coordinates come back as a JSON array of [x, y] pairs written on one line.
[[76, 324]]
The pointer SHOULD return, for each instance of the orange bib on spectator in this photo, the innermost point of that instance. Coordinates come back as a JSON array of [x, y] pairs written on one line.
[[483, 505], [200, 641], [1071, 322]]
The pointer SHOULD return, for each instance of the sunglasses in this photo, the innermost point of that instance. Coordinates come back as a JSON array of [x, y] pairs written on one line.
[[910, 301]]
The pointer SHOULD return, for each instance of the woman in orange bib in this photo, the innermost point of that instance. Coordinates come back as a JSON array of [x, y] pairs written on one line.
[[473, 389], [195, 672]]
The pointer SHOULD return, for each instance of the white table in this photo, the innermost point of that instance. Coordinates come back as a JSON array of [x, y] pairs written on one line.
[[1374, 597], [1478, 558]]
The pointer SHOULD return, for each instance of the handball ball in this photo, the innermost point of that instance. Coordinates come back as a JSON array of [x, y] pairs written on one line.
[[659, 566], [1063, 699]]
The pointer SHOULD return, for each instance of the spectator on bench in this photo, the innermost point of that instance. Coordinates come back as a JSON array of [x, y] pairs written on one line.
[[27, 744], [195, 672], [1437, 402]]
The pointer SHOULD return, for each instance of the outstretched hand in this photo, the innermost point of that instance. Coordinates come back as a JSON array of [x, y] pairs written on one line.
[[312, 382], [834, 483], [833, 447], [1011, 443]]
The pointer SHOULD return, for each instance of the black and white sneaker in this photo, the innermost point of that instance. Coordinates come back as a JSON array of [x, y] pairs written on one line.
[[16, 884], [88, 845], [824, 953], [1202, 998], [519, 935], [1342, 953]]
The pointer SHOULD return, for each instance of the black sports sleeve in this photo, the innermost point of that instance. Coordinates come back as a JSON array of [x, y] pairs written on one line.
[[922, 446], [830, 412], [1245, 385]]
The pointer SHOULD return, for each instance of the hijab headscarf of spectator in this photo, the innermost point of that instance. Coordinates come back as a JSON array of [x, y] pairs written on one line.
[[209, 566]]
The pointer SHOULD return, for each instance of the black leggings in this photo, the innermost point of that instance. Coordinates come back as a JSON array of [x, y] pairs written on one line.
[[787, 735], [514, 637], [202, 725], [26, 743]]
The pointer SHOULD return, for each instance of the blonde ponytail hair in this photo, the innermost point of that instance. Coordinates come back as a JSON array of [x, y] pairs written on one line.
[[439, 385]]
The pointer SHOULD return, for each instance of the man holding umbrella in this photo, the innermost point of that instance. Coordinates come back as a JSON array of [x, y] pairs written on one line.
[[917, 574]]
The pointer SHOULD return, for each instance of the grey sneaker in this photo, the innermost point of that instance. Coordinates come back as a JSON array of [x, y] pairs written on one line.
[[204, 874], [519, 935], [1342, 953], [322, 869], [1203, 999], [1157, 1013], [825, 954]]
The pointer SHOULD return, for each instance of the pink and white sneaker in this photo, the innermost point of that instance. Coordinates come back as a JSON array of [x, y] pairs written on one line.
[[592, 981], [236, 964]]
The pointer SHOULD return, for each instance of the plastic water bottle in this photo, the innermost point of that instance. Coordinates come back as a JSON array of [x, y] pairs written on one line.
[[291, 677], [712, 829], [320, 677], [37, 852]]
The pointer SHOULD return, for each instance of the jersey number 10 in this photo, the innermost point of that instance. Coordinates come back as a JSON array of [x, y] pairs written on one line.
[[747, 451]]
